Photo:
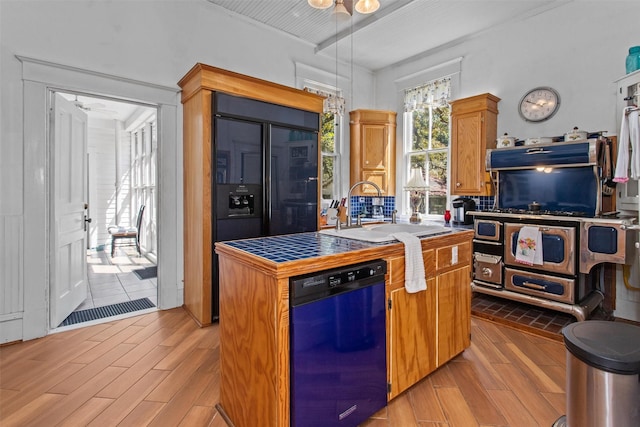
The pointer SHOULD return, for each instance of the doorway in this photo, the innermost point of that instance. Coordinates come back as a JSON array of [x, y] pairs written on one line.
[[39, 78], [121, 177]]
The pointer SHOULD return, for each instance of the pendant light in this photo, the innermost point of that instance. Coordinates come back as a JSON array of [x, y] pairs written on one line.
[[367, 6], [320, 4], [362, 6], [340, 10]]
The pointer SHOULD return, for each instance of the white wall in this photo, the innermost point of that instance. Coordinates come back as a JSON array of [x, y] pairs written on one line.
[[153, 42], [579, 49]]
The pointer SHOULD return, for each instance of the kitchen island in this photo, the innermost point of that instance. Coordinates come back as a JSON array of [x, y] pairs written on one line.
[[424, 329]]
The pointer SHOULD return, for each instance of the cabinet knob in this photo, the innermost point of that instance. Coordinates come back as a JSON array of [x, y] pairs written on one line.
[[458, 184]]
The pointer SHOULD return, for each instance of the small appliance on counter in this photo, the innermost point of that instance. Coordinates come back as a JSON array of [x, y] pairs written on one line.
[[461, 206]]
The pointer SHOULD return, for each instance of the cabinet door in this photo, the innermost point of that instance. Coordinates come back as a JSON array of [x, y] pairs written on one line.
[[467, 171], [454, 313], [372, 134], [375, 147], [412, 337], [375, 157]]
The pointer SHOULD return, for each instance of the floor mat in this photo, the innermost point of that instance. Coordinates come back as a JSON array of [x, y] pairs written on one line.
[[146, 273], [107, 311]]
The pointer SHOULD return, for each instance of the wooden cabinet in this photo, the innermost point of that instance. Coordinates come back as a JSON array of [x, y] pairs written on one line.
[[198, 86], [428, 328], [373, 150], [474, 124]]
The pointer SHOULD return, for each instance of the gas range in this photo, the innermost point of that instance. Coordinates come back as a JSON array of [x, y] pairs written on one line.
[[553, 256], [549, 215]]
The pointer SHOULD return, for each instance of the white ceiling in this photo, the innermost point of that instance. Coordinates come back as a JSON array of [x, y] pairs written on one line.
[[398, 31], [105, 108]]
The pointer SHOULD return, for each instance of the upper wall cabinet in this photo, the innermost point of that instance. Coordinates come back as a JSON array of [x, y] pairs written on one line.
[[474, 124], [373, 151]]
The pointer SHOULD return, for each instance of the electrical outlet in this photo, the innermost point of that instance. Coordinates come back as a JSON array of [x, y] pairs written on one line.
[[454, 255]]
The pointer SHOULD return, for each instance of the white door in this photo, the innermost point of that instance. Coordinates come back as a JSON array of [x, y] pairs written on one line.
[[68, 178]]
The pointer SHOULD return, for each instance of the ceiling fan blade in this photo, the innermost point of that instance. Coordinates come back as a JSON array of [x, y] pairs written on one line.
[[93, 106]]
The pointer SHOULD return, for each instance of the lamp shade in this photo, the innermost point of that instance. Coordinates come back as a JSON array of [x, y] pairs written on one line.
[[320, 4], [416, 181], [367, 6], [341, 10]]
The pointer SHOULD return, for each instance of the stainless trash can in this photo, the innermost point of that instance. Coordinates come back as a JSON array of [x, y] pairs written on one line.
[[603, 374]]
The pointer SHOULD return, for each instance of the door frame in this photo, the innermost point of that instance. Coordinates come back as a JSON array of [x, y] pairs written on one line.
[[39, 79]]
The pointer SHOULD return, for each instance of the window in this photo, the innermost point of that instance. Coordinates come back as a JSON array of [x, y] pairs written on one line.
[[330, 133], [144, 149], [426, 140]]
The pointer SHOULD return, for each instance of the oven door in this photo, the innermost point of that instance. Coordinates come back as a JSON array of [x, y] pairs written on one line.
[[558, 245], [602, 242], [540, 285], [487, 270], [487, 229]]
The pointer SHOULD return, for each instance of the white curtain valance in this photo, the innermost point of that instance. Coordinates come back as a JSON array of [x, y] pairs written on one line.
[[333, 103], [436, 93]]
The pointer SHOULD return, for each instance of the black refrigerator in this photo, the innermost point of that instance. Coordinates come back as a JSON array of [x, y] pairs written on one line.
[[265, 177]]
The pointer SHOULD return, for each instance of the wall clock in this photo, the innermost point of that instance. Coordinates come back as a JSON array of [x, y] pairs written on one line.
[[539, 104]]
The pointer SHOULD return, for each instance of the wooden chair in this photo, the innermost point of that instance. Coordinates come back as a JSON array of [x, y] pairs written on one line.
[[130, 233]]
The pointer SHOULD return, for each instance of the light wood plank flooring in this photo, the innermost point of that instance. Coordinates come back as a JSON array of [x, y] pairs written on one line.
[[160, 369]]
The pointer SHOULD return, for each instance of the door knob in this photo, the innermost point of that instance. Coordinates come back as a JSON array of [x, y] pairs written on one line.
[[86, 220]]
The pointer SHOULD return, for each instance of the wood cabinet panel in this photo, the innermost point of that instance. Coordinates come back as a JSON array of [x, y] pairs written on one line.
[[454, 313], [254, 330], [474, 125], [413, 354], [373, 148]]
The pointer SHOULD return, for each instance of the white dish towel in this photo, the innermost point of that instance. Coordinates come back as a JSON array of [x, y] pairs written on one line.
[[529, 246], [414, 279], [629, 135]]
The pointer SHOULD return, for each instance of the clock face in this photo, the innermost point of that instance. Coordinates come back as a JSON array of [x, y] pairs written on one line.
[[539, 104]]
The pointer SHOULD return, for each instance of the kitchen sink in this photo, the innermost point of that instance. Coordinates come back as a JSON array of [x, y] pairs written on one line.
[[379, 233]]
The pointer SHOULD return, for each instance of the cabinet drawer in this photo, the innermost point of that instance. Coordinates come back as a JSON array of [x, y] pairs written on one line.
[[395, 269], [445, 255]]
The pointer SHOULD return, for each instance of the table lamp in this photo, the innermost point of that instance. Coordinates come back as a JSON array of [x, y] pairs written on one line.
[[416, 188]]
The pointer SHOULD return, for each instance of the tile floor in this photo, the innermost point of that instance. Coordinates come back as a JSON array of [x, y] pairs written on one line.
[[111, 280], [522, 316]]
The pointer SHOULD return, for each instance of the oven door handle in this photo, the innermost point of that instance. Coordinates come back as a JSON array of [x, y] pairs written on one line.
[[630, 227], [537, 151], [533, 286], [487, 242]]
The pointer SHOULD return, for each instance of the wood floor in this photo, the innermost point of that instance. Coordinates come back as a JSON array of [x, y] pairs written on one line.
[[159, 369]]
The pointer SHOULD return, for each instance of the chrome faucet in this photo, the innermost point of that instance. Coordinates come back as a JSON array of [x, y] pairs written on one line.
[[349, 222]]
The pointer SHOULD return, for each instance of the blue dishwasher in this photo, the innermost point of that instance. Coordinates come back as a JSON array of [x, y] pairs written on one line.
[[338, 345]]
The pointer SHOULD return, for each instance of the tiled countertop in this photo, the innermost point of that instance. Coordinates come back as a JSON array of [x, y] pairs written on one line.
[[295, 247]]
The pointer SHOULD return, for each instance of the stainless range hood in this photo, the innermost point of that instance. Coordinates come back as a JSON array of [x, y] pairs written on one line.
[[559, 154]]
